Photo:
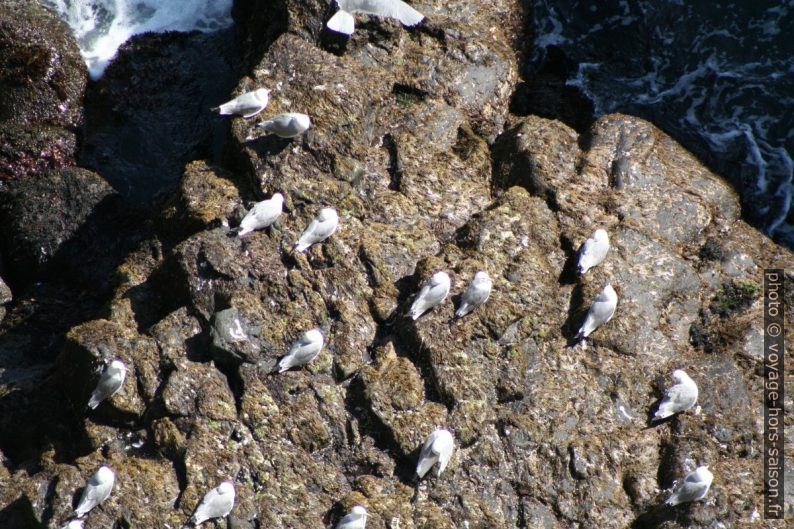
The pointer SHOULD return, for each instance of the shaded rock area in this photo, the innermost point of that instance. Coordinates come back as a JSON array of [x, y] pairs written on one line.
[[149, 115], [415, 145]]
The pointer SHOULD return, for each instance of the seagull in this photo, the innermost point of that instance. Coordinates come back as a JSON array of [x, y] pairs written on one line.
[[320, 228], [600, 312], [343, 21], [109, 383], [476, 294], [247, 105], [96, 490], [437, 449], [355, 519], [593, 251], [432, 293], [288, 125], [679, 397], [262, 215], [694, 487], [74, 524], [217, 503], [303, 351]]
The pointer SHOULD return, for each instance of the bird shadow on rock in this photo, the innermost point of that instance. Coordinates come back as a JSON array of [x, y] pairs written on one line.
[[654, 518], [333, 41], [575, 318], [456, 299], [569, 274], [20, 515], [269, 144], [358, 405]]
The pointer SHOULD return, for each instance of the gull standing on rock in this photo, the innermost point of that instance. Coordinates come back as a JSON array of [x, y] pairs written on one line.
[[593, 251], [600, 312], [476, 294], [694, 487], [96, 490], [679, 397], [288, 125], [437, 449], [262, 215], [109, 383], [432, 293], [303, 351], [355, 519], [320, 228], [343, 21], [247, 105], [217, 503]]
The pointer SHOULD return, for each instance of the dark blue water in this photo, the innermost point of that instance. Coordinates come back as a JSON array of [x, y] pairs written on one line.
[[718, 77]]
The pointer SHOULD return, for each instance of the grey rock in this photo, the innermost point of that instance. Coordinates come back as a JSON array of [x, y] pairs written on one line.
[[232, 338]]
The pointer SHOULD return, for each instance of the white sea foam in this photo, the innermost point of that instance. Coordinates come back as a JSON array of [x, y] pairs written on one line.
[[102, 26], [715, 79]]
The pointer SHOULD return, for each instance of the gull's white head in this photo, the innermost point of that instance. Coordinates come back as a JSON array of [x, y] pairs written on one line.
[[227, 487], [601, 235], [117, 365], [303, 120], [262, 93], [104, 474], [327, 214], [278, 197], [702, 473], [314, 335], [680, 376], [359, 511], [481, 277], [439, 278]]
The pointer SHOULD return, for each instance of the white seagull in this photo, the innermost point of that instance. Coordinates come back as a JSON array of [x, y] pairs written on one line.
[[74, 524], [109, 383], [247, 105], [600, 312], [593, 251], [432, 293], [262, 215], [96, 490], [437, 449], [355, 519], [217, 503], [343, 21], [679, 397], [320, 228], [288, 125], [694, 487], [303, 351], [476, 294]]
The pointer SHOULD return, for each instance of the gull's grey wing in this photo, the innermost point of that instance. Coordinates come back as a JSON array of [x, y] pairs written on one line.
[[475, 295], [107, 386], [215, 504]]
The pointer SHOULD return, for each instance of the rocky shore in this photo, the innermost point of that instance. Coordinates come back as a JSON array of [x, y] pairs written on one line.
[[418, 143]]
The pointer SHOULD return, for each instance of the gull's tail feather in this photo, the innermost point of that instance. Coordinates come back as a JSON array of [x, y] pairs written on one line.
[[409, 16], [424, 466], [94, 402], [342, 22], [662, 413]]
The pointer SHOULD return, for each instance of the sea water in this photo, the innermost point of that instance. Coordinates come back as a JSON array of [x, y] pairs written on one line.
[[717, 76], [102, 26]]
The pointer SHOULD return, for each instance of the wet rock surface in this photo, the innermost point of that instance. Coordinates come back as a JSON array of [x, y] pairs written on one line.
[[414, 144]]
